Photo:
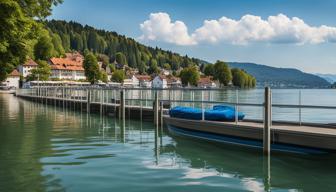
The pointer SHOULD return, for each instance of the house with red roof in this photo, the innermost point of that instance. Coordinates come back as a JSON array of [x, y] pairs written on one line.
[[206, 82], [13, 79], [70, 67], [144, 80], [25, 69]]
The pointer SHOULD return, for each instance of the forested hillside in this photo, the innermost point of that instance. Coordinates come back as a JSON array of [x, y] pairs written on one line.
[[281, 77], [75, 36]]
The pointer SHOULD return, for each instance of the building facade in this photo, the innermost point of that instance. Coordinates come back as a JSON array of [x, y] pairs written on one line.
[[131, 81], [206, 82], [25, 69], [70, 67], [144, 81], [13, 80], [160, 82]]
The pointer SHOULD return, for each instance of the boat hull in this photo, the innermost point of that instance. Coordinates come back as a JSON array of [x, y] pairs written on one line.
[[248, 136]]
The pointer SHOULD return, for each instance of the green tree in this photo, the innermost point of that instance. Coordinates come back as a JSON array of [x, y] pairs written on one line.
[[153, 68], [222, 73], [241, 79], [44, 48], [38, 8], [189, 76], [91, 68], [167, 66], [103, 58], [57, 43], [118, 76], [120, 58], [142, 67], [103, 77], [42, 72], [18, 28], [238, 78], [209, 70], [112, 67]]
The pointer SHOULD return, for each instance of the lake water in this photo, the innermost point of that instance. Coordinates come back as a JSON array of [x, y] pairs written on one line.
[[45, 148]]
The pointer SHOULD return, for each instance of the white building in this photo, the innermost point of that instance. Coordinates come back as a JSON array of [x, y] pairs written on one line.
[[25, 69], [174, 82], [70, 67], [206, 82], [132, 81], [160, 82], [13, 80], [144, 81]]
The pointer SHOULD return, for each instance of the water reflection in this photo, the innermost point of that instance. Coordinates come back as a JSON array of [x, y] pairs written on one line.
[[44, 148]]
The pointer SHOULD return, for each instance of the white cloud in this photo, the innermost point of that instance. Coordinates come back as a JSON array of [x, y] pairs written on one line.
[[160, 27], [249, 28]]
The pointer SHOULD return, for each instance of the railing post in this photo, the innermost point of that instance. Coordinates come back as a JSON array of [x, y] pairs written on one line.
[[236, 107], [156, 109], [122, 106], [203, 110], [88, 95], [267, 121], [300, 120]]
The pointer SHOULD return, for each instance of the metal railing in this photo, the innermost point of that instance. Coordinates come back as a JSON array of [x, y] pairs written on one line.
[[145, 97]]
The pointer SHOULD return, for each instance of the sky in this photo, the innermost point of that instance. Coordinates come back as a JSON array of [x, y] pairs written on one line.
[[281, 33]]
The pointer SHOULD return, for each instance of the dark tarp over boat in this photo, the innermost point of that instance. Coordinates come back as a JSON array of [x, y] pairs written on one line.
[[218, 113]]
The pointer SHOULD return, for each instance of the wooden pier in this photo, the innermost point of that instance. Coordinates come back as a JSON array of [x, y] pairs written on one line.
[[266, 130]]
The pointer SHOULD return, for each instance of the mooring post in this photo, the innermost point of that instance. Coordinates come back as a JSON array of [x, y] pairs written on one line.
[[88, 102], [122, 106], [202, 105], [267, 121], [156, 109]]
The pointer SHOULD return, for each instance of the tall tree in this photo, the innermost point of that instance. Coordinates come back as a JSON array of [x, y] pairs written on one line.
[[209, 70], [91, 68], [18, 28], [153, 68], [118, 76], [121, 58], [42, 72], [189, 76], [44, 48], [222, 73], [57, 43]]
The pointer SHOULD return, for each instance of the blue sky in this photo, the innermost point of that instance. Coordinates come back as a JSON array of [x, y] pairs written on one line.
[[260, 31]]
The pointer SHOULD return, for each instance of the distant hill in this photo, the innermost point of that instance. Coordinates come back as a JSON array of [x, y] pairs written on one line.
[[331, 78], [281, 77]]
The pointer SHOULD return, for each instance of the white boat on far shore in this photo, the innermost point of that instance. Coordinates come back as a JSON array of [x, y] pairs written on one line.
[[7, 90]]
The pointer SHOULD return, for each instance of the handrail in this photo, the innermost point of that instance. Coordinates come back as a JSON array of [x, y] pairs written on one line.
[[199, 101]]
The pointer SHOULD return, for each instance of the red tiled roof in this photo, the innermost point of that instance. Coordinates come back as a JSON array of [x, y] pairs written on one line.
[[204, 80], [72, 61], [143, 77], [14, 73], [30, 62]]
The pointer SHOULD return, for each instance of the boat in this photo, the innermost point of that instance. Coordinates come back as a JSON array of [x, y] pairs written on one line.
[[289, 138], [217, 113], [7, 90]]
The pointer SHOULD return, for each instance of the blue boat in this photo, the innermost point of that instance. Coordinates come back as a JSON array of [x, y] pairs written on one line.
[[218, 113], [218, 127]]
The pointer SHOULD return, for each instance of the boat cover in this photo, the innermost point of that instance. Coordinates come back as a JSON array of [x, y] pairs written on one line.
[[217, 113]]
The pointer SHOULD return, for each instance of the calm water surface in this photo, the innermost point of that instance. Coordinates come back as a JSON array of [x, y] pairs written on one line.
[[45, 148]]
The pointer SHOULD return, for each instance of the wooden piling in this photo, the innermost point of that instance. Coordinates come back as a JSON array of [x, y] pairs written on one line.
[[88, 97], [156, 109], [122, 106], [267, 121]]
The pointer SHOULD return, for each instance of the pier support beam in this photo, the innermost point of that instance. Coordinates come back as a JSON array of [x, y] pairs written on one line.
[[156, 108], [88, 102], [267, 121], [122, 106]]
